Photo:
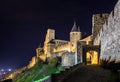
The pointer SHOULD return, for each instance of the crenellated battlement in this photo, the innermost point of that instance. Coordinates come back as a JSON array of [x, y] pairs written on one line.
[[101, 16], [97, 23]]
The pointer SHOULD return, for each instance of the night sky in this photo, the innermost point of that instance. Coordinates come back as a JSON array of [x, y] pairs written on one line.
[[23, 24]]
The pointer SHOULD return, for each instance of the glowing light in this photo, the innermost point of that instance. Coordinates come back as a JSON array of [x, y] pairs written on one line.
[[2, 70], [92, 57], [9, 69], [42, 79]]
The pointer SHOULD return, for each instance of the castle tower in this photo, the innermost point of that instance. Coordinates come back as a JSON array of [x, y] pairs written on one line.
[[49, 37], [97, 23], [75, 35]]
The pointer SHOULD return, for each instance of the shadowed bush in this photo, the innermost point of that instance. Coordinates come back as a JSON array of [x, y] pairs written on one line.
[[53, 62], [110, 65]]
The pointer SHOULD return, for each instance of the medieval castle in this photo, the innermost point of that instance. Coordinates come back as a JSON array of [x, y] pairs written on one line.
[[103, 44], [71, 52]]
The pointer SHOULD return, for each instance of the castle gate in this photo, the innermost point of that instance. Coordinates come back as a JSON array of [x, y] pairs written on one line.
[[91, 54]]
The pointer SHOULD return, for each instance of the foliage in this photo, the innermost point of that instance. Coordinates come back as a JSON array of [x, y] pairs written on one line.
[[53, 62], [110, 65], [39, 72], [28, 75]]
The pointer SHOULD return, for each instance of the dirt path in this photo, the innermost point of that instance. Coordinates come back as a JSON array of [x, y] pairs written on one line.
[[91, 73]]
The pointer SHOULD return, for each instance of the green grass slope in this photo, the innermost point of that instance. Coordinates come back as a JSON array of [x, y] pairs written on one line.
[[39, 72]]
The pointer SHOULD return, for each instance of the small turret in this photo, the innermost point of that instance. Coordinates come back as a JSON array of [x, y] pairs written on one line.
[[75, 35]]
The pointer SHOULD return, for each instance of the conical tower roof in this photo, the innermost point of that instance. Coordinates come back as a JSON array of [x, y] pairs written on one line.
[[74, 28]]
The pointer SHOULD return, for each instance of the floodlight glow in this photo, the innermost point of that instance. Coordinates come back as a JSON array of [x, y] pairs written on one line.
[[2, 69], [9, 69], [4, 73]]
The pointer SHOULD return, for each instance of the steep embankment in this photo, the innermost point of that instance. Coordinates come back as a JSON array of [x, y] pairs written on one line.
[[39, 72], [91, 73]]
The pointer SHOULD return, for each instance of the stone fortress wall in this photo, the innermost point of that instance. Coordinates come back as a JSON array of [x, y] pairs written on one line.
[[109, 36], [62, 47], [60, 42], [97, 23]]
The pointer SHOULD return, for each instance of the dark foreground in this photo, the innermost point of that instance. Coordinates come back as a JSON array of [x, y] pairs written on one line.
[[92, 74], [85, 73], [89, 73]]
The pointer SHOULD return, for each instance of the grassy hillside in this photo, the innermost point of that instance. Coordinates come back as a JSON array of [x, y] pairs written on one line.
[[39, 72]]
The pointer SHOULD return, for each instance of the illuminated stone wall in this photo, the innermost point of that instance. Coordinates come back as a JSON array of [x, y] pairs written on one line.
[[80, 45], [62, 47], [74, 37], [87, 40], [97, 23], [32, 62], [68, 59], [109, 36], [49, 36], [59, 42]]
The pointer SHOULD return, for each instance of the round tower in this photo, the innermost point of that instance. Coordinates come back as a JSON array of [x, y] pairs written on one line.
[[75, 35]]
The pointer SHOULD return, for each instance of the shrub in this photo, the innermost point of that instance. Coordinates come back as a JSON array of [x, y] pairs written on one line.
[[53, 62]]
